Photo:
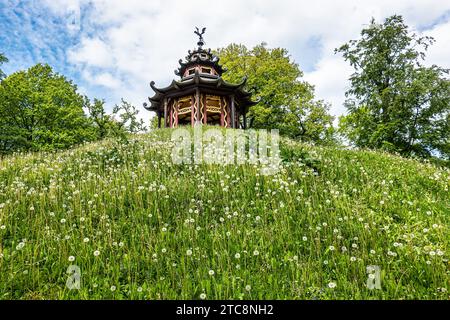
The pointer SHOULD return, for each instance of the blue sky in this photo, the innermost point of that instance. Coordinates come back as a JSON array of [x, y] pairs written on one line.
[[113, 48]]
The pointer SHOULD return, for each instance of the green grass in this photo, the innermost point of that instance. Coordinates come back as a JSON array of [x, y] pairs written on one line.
[[144, 215]]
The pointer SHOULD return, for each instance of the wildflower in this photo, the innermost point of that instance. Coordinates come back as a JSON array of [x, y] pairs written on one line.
[[332, 285], [71, 258], [139, 289], [20, 245], [202, 296], [353, 259], [163, 250], [248, 287], [3, 227], [304, 238], [63, 220], [256, 252], [189, 252], [331, 248], [372, 251], [211, 272], [85, 240], [164, 229], [96, 253], [237, 255], [113, 288], [344, 248], [258, 218], [432, 253]]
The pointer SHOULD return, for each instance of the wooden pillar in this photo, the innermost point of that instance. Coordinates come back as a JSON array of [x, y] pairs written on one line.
[[165, 113], [192, 110], [159, 119], [170, 116], [197, 101], [205, 110], [175, 109], [233, 117], [222, 106]]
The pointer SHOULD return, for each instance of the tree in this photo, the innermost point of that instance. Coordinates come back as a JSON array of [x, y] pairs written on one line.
[[126, 117], [3, 59], [395, 103], [41, 110], [101, 120], [286, 102]]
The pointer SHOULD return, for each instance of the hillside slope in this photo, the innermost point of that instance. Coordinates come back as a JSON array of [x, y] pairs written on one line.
[[140, 227]]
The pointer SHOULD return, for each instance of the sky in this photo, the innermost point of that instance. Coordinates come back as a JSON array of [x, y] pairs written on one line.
[[112, 49]]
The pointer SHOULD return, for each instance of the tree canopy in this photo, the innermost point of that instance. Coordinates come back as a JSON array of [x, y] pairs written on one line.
[[286, 102], [41, 110], [395, 102]]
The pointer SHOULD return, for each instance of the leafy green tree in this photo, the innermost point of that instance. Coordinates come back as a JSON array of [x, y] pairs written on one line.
[[285, 102], [101, 120], [3, 59], [395, 103], [41, 110], [126, 117]]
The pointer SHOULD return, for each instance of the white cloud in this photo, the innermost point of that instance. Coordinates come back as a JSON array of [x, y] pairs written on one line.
[[129, 43], [93, 52], [439, 52]]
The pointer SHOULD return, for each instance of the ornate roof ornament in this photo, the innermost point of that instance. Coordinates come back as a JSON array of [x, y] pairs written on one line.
[[201, 41]]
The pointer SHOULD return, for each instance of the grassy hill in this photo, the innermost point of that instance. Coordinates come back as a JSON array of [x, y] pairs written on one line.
[[141, 227]]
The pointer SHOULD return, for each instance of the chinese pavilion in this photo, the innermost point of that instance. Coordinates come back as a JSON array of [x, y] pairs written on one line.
[[201, 95]]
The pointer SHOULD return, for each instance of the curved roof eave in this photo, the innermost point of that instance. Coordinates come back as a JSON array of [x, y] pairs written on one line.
[[197, 79]]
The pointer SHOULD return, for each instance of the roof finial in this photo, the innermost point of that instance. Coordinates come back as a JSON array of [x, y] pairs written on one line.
[[200, 42]]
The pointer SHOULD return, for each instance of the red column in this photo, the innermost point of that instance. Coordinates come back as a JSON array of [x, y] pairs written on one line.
[[175, 109], [170, 117], [229, 114], [205, 112], [192, 111], [221, 112]]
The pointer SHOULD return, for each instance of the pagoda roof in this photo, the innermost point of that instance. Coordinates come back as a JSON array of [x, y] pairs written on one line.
[[216, 83], [202, 57]]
